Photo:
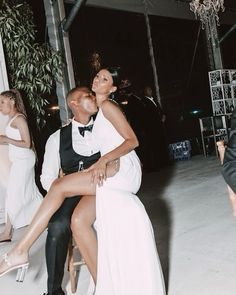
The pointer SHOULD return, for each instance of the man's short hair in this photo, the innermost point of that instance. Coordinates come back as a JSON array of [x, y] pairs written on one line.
[[76, 89]]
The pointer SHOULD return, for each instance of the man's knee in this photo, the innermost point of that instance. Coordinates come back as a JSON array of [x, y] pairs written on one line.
[[59, 229]]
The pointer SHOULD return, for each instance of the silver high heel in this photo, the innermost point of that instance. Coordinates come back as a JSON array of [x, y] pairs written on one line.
[[21, 269], [21, 272]]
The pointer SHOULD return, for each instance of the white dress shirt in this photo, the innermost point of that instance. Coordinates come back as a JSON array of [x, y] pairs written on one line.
[[82, 145], [152, 100]]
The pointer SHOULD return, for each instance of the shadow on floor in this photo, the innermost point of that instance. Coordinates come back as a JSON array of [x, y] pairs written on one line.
[[153, 187]]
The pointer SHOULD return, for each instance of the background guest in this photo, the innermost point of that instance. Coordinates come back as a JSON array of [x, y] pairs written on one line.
[[228, 159], [22, 196], [154, 140]]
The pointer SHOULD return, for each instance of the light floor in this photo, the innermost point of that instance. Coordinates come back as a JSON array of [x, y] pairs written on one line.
[[194, 227]]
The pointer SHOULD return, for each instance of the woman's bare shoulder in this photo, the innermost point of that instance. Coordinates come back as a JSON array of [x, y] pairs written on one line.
[[19, 120], [109, 105], [111, 110]]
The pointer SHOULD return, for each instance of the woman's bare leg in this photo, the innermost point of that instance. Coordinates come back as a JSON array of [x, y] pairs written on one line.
[[70, 185], [7, 233], [78, 183], [232, 197], [85, 237]]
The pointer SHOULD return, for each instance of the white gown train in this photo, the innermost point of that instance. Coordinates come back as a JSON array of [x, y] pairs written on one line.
[[128, 262]]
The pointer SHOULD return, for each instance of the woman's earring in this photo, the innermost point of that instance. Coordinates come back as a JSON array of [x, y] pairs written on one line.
[[112, 95]]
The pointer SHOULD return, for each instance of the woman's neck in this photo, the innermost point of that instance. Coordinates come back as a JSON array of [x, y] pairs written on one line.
[[100, 98], [12, 114]]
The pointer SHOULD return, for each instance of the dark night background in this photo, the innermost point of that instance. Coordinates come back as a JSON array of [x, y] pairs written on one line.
[[120, 38]]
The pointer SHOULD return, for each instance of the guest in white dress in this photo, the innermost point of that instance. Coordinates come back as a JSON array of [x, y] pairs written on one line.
[[22, 195], [128, 263]]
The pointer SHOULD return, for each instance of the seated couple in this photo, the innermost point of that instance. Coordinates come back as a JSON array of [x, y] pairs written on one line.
[[122, 256]]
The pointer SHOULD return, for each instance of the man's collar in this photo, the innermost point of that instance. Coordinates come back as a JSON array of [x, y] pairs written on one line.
[[152, 100], [78, 124], [149, 97]]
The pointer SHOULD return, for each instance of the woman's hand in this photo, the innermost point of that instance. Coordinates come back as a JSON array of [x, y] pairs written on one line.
[[101, 170], [3, 139], [98, 171]]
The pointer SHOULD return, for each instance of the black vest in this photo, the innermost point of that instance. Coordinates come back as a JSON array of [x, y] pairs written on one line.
[[69, 158]]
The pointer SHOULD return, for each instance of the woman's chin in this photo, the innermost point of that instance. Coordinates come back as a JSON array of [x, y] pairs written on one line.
[[94, 88]]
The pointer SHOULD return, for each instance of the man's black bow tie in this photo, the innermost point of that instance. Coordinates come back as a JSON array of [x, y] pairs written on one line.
[[85, 128]]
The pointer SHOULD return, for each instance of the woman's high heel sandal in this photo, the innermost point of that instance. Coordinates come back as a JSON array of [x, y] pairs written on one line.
[[21, 269], [21, 273]]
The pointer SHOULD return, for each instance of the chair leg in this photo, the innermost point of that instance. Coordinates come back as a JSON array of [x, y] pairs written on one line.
[[71, 268], [73, 265], [73, 282]]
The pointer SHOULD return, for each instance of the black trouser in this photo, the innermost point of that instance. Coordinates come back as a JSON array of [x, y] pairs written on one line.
[[59, 234]]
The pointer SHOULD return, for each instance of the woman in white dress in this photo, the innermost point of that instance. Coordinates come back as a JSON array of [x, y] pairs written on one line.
[[22, 195], [127, 258]]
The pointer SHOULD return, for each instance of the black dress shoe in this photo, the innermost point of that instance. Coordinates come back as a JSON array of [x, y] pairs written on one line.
[[59, 292]]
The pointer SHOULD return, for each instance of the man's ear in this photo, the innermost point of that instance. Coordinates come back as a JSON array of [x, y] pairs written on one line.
[[73, 103], [114, 88]]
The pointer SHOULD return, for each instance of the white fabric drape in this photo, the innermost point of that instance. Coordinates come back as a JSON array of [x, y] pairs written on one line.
[[4, 167]]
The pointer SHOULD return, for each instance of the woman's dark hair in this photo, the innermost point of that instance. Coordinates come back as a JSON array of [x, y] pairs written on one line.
[[15, 95], [115, 73]]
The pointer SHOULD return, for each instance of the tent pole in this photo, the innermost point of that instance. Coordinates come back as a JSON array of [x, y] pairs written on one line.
[[67, 23], [151, 51], [227, 33]]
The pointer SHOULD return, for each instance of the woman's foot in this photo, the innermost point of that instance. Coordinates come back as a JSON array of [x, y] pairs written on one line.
[[13, 260]]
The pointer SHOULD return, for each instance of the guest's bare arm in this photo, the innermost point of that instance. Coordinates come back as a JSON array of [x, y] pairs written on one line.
[[19, 123]]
